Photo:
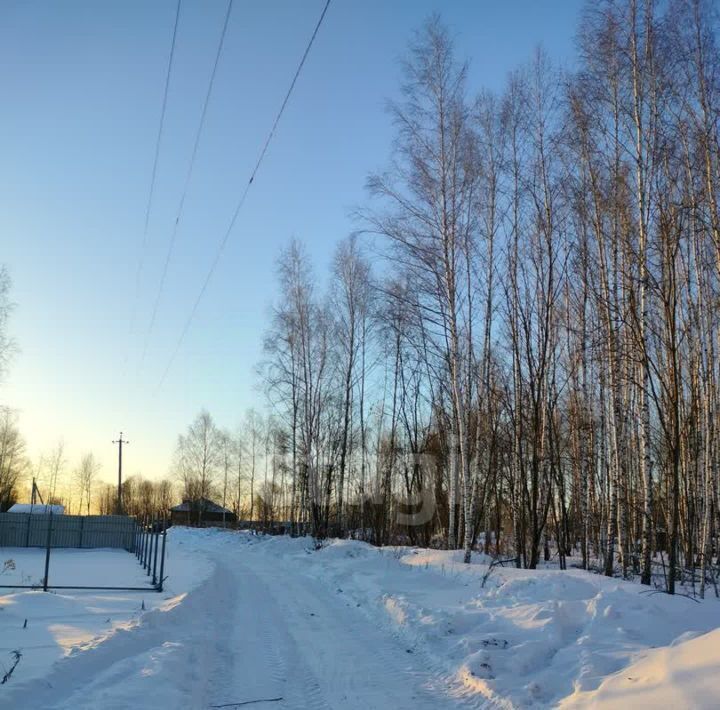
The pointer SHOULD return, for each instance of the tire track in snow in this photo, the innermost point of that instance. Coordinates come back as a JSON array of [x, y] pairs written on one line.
[[266, 662], [359, 666]]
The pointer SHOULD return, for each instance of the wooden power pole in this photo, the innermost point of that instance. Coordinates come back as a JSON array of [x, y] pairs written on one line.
[[120, 443]]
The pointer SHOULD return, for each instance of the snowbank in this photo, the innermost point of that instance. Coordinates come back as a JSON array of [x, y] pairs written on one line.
[[682, 676], [528, 638]]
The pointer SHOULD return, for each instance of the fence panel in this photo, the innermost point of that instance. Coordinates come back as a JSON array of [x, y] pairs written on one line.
[[109, 531], [14, 529], [90, 531]]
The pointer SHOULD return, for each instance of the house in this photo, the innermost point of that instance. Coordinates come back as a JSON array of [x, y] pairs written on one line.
[[200, 512]]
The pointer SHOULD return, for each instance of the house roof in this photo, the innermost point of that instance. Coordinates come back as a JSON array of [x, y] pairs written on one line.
[[37, 508], [203, 504]]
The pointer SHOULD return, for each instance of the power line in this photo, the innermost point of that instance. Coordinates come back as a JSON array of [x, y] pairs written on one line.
[[151, 193], [173, 236], [241, 201]]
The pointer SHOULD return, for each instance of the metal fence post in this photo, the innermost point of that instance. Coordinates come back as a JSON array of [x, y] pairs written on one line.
[[143, 544], [47, 552], [161, 580], [82, 529], [154, 554], [146, 556], [150, 548]]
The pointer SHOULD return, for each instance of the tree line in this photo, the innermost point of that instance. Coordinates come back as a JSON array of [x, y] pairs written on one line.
[[246, 471], [13, 461], [522, 334]]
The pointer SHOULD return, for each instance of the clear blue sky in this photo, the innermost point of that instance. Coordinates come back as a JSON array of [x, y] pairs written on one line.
[[81, 87]]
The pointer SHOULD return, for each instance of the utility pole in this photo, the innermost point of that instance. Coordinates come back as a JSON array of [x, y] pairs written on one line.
[[120, 443]]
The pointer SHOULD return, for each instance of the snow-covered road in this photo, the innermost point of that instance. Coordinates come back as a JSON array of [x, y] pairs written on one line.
[[253, 631], [277, 623], [308, 644]]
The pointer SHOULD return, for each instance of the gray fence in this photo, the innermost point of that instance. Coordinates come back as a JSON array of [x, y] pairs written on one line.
[[29, 530]]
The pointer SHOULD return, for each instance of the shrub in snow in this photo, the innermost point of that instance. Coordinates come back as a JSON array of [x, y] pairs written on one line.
[[8, 566], [16, 656]]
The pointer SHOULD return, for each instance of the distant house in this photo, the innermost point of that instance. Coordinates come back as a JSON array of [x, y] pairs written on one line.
[[200, 512], [37, 509]]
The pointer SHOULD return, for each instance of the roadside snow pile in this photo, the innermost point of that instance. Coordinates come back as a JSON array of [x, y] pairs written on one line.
[[46, 627], [528, 638], [683, 676]]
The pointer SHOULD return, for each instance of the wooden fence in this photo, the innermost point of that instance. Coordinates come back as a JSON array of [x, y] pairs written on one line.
[[88, 531]]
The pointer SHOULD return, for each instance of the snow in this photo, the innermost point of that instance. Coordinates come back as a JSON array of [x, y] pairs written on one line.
[[248, 617], [529, 638], [682, 676], [37, 509], [65, 623]]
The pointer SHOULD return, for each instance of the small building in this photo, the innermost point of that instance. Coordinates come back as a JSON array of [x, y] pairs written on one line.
[[37, 509], [200, 512]]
